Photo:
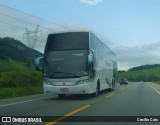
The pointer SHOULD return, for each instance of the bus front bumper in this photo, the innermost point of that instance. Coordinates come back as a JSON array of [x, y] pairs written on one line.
[[75, 89]]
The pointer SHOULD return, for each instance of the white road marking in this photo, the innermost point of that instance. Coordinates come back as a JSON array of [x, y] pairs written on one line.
[[26, 101], [154, 89]]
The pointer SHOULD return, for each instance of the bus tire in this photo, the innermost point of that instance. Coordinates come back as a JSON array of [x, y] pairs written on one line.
[[112, 85], [95, 94]]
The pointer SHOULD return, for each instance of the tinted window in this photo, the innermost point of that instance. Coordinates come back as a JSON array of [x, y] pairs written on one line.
[[68, 41], [70, 61]]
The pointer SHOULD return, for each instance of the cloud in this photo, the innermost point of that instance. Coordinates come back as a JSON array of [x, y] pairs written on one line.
[[91, 2], [129, 57], [152, 48]]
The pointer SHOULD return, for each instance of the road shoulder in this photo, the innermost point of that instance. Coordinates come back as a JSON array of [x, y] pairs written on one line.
[[24, 99], [155, 85]]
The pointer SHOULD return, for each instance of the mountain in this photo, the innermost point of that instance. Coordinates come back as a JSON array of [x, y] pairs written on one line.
[[14, 49]]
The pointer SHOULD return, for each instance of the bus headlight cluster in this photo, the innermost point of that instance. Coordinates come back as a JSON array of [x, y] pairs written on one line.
[[82, 82], [47, 82]]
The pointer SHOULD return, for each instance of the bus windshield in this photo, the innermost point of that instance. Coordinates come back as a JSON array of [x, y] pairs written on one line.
[[65, 64]]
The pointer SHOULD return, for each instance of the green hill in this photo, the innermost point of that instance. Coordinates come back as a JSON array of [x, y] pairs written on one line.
[[142, 73], [14, 49], [16, 79]]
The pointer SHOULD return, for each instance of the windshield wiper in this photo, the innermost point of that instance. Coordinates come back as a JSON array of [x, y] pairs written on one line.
[[63, 74]]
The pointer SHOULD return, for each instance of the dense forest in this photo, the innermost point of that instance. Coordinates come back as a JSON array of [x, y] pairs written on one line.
[[14, 49]]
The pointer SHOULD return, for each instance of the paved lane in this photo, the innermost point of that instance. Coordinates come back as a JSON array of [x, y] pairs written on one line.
[[135, 99]]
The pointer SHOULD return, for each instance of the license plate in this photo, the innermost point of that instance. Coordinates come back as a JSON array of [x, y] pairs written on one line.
[[64, 90]]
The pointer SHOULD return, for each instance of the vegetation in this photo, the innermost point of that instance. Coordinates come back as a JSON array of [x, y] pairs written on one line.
[[143, 73], [144, 67], [15, 78], [14, 49]]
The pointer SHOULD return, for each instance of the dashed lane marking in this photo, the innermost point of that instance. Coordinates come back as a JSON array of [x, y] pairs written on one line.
[[110, 95], [67, 115]]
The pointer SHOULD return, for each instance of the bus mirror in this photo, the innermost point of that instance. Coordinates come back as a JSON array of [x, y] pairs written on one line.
[[39, 63], [90, 60]]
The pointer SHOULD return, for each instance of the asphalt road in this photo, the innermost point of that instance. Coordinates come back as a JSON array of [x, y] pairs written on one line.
[[136, 99]]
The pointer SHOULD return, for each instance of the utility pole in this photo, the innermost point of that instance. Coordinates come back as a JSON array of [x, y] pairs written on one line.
[[31, 38]]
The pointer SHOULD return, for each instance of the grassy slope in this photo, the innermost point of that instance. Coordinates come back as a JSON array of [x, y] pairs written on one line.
[[141, 75], [17, 80]]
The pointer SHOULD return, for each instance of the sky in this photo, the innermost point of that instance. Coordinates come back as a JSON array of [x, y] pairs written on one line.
[[130, 27]]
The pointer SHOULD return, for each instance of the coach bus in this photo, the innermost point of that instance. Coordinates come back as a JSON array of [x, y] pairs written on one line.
[[77, 63]]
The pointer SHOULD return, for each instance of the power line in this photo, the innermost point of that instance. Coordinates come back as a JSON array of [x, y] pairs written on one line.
[[24, 21], [12, 25], [17, 19], [65, 27]]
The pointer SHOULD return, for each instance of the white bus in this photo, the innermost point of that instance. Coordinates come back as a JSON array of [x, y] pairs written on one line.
[[77, 63]]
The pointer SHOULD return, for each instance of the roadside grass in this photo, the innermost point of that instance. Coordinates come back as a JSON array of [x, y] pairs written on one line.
[[17, 80], [20, 78], [16, 92], [158, 82], [11, 65]]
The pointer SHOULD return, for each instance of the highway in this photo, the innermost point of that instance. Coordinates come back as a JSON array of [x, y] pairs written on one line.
[[136, 99]]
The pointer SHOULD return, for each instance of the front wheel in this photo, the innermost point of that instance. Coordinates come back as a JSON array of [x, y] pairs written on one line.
[[112, 85], [97, 90], [95, 94]]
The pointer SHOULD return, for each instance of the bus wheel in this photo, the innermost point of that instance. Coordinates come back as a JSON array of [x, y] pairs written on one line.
[[61, 95], [97, 90], [112, 85], [111, 88]]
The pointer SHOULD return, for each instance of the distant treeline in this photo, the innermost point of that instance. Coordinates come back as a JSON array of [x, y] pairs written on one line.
[[141, 73], [144, 67]]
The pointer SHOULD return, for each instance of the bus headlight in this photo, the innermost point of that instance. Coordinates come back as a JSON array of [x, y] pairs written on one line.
[[82, 82], [47, 82], [86, 80]]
